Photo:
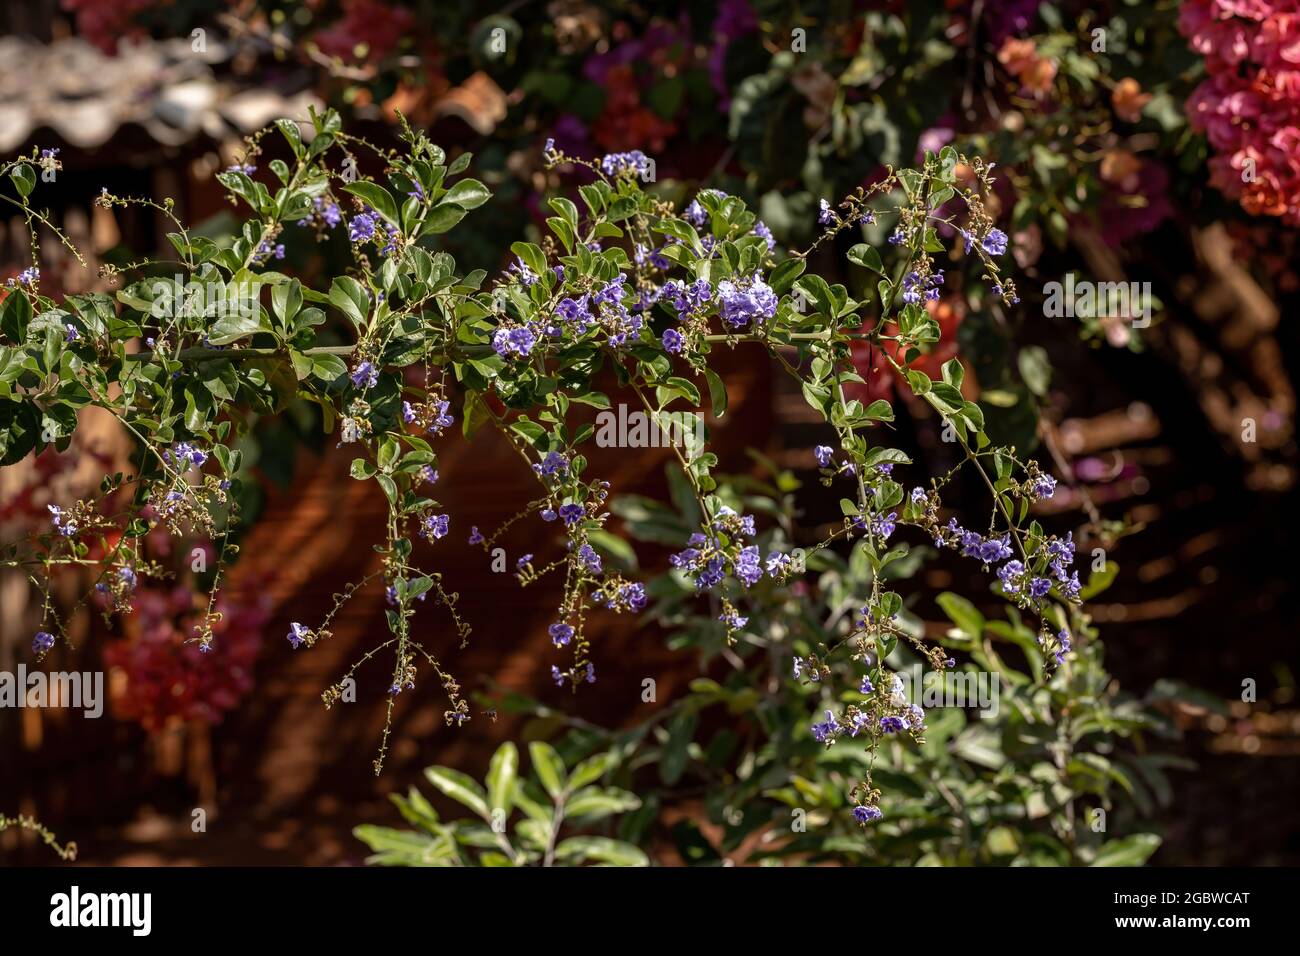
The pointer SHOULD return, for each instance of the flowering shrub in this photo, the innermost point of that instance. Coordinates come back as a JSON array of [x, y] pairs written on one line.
[[401, 346], [168, 675], [1022, 775], [1027, 768], [1249, 106]]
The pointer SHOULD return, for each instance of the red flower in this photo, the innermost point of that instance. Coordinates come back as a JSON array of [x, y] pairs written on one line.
[[1249, 107]]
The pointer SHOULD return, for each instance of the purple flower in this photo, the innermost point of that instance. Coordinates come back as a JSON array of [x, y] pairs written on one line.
[[748, 566], [732, 619], [526, 275], [42, 642], [65, 526], [590, 559], [553, 462], [742, 304], [893, 725], [1044, 486], [916, 288], [632, 596], [865, 815], [576, 311], [365, 375], [1009, 574], [514, 341], [630, 163], [824, 454], [761, 230], [362, 227], [827, 730], [572, 513], [883, 525], [672, 341], [444, 418], [474, 536], [330, 212], [435, 526], [824, 214], [866, 687], [695, 213], [298, 635], [561, 633], [995, 242], [777, 563]]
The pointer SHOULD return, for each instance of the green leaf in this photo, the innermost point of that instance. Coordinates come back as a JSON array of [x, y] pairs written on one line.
[[501, 777], [548, 766], [866, 256], [616, 549], [685, 387], [377, 198], [681, 731], [1128, 851], [460, 787], [962, 613], [592, 769], [597, 802], [24, 178], [717, 392], [783, 275], [410, 845], [328, 368], [443, 218], [979, 745], [236, 326], [467, 194], [20, 426], [604, 849], [286, 299], [290, 131], [15, 317], [349, 297], [1035, 369]]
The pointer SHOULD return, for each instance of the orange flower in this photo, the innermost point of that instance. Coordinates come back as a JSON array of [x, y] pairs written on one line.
[[1120, 168], [1039, 77], [1021, 59], [1128, 100], [1017, 55]]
